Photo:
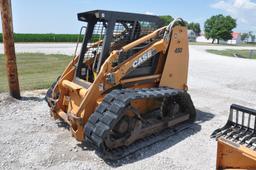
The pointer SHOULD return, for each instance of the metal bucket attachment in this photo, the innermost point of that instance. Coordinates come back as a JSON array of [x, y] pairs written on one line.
[[240, 127]]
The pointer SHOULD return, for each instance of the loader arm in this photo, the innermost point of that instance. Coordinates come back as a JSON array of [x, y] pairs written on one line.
[[96, 88], [175, 70]]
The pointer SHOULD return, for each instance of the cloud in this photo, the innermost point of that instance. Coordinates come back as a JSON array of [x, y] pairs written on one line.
[[242, 10], [149, 13]]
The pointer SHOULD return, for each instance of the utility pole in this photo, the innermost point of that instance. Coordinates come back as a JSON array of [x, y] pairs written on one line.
[[9, 49]]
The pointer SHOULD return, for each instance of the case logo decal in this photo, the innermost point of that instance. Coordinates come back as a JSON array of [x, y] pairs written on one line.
[[147, 55]]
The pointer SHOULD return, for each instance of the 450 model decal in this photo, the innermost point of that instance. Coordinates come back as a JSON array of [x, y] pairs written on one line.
[[147, 55]]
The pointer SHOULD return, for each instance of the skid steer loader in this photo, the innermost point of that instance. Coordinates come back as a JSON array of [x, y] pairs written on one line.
[[236, 147], [129, 81]]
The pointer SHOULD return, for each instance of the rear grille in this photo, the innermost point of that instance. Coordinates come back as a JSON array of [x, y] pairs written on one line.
[[240, 127]]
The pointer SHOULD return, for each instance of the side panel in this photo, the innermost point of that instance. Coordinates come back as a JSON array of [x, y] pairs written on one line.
[[235, 156], [175, 71]]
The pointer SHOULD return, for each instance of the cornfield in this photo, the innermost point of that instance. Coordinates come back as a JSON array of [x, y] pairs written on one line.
[[47, 37]]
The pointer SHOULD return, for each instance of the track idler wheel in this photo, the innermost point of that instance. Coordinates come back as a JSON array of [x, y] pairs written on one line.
[[120, 132], [179, 104]]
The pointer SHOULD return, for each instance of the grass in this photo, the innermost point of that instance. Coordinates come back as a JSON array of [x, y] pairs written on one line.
[[231, 52], [36, 70], [210, 44], [203, 43]]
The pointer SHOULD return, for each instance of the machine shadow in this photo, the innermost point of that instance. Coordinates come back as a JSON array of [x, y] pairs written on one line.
[[169, 141], [38, 99]]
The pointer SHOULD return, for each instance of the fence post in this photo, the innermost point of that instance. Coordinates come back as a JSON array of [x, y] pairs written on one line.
[[9, 49]]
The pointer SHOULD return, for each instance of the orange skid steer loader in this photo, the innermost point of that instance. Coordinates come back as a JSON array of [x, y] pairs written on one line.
[[128, 82]]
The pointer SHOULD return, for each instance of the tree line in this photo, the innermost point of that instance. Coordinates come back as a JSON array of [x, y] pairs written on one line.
[[245, 36], [192, 26], [217, 27]]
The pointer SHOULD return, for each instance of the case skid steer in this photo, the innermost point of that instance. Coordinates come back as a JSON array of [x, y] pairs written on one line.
[[129, 81], [236, 148]]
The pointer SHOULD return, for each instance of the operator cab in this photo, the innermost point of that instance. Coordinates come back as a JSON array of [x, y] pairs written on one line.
[[107, 31]]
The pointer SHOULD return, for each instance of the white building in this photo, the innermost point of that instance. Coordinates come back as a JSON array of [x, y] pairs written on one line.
[[202, 38], [191, 36], [251, 39], [236, 38]]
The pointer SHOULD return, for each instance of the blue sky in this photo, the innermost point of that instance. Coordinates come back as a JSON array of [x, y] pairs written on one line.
[[59, 16]]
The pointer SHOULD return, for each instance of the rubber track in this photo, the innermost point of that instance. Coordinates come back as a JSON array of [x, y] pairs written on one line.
[[109, 112]]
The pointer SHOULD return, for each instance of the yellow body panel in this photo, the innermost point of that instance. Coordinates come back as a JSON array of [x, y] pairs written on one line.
[[234, 156], [175, 71]]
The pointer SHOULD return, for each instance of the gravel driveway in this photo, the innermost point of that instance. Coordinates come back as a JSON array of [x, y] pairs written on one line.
[[31, 139]]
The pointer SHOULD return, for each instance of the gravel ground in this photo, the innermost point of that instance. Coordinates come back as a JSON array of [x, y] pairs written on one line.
[[31, 139]]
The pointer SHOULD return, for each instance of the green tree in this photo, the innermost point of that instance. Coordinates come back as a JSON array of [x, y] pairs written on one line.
[[219, 27], [195, 27], [244, 36], [252, 36], [166, 19]]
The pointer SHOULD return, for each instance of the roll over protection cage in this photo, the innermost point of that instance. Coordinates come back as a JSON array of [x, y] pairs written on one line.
[[106, 25]]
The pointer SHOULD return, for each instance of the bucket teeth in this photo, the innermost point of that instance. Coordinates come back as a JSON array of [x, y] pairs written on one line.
[[245, 138], [251, 142], [240, 135], [240, 127]]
